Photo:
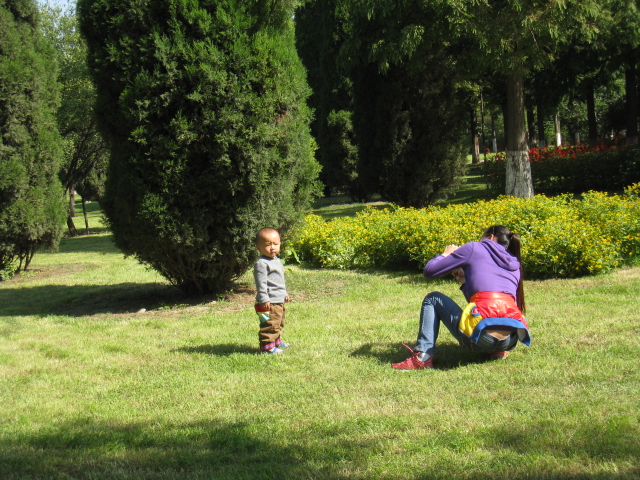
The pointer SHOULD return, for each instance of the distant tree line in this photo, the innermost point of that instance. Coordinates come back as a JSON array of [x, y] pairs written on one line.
[[403, 87]]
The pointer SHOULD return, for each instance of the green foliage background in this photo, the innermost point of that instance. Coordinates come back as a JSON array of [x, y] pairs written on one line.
[[320, 30], [86, 155], [387, 85], [203, 103]]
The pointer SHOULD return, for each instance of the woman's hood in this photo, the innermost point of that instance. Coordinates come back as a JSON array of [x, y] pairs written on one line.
[[500, 255]]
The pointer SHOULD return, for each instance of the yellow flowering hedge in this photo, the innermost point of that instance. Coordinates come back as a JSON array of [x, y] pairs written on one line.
[[561, 236]]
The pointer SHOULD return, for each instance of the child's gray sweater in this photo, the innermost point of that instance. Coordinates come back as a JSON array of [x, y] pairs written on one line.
[[269, 276]]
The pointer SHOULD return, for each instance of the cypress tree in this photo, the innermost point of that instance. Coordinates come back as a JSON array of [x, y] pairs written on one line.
[[415, 129], [408, 115], [31, 196], [203, 104], [320, 30]]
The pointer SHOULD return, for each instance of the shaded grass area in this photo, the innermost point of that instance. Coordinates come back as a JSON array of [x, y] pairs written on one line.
[[92, 387], [341, 206], [471, 189]]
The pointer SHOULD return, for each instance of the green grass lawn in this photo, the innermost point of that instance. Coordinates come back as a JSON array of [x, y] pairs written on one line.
[[109, 373]]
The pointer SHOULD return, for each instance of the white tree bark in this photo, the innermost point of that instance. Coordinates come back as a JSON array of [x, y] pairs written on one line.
[[556, 123], [518, 182]]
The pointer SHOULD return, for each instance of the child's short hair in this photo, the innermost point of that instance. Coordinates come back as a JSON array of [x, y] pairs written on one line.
[[264, 230]]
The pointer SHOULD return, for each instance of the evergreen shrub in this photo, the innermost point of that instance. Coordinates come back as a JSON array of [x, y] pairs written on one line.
[[561, 236], [203, 103], [31, 196]]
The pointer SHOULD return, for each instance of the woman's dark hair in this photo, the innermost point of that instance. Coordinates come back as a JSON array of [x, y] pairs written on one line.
[[511, 242]]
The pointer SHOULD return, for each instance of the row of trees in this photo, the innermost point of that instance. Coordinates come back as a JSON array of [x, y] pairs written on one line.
[[202, 108], [85, 158], [394, 81]]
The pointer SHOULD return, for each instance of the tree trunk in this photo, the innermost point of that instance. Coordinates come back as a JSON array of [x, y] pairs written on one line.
[[72, 212], [494, 137], [556, 124], [482, 126], [72, 201], [505, 123], [591, 115], [72, 228], [475, 147], [518, 181], [632, 102], [531, 127], [86, 218], [542, 139]]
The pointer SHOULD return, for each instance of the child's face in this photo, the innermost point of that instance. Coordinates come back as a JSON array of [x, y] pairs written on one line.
[[269, 244]]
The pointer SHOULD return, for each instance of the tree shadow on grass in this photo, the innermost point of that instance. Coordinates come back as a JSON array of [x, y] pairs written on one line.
[[83, 300], [88, 449], [448, 355], [223, 350]]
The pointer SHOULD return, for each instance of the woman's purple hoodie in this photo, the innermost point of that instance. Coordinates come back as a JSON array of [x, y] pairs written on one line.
[[487, 265]]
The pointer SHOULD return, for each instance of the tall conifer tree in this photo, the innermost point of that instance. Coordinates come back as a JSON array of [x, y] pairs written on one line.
[[203, 103], [320, 30], [31, 196]]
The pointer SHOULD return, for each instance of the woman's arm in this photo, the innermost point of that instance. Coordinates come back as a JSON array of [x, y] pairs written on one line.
[[448, 261]]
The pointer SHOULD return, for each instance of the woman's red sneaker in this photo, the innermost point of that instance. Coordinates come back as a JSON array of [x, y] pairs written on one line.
[[499, 355], [413, 363]]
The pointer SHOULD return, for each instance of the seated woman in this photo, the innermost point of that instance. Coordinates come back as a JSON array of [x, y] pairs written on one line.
[[490, 274]]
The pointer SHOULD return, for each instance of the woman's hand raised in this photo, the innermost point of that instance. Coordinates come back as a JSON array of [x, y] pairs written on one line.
[[449, 249]]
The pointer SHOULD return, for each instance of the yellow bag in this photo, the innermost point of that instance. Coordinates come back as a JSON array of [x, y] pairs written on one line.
[[469, 319]]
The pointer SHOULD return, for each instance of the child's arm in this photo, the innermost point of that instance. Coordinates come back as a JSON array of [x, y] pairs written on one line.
[[262, 292]]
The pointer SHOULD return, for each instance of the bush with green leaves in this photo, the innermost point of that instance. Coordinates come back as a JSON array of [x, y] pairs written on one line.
[[203, 103], [31, 196], [561, 237], [573, 169], [633, 190]]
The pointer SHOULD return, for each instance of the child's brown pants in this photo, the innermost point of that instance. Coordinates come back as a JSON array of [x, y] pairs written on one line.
[[270, 329]]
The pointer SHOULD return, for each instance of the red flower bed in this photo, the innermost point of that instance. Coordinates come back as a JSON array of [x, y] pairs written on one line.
[[572, 151], [573, 169]]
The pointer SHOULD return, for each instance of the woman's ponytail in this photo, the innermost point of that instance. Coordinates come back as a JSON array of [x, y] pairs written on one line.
[[514, 249], [511, 242]]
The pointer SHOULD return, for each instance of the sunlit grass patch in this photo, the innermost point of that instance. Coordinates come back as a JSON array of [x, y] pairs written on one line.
[[93, 386]]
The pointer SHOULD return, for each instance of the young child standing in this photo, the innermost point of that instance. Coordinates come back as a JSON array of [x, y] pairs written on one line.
[[271, 295]]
